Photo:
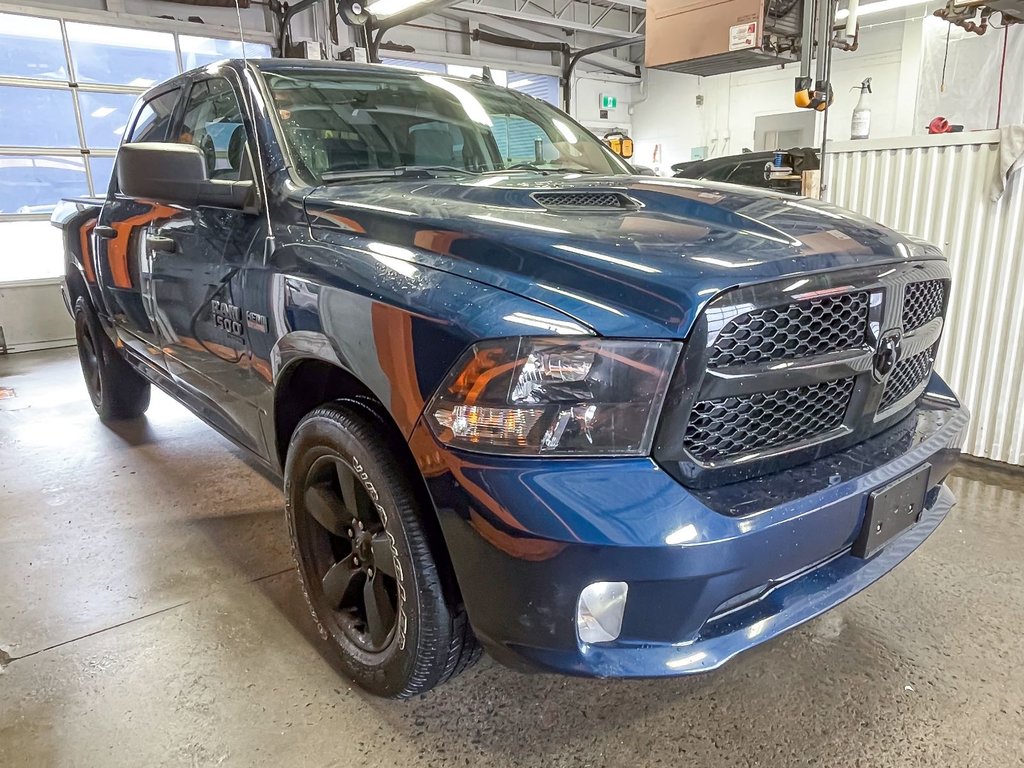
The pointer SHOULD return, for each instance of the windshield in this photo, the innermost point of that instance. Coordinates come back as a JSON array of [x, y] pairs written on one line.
[[340, 124]]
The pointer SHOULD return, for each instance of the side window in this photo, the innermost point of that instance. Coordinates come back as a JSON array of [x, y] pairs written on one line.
[[750, 174], [213, 122], [719, 174], [155, 118], [516, 138]]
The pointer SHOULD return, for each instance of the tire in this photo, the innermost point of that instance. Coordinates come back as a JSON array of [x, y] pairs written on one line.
[[365, 566], [117, 390]]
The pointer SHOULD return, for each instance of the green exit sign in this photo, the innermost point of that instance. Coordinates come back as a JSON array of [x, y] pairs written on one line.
[[609, 102]]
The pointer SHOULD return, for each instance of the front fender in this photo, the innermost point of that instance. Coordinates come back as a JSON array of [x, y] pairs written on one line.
[[397, 328]]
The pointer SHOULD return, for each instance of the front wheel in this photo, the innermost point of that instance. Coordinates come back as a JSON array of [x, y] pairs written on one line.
[[117, 390], [365, 566]]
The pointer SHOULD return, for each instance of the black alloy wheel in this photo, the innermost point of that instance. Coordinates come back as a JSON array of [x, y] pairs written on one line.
[[376, 582], [344, 543]]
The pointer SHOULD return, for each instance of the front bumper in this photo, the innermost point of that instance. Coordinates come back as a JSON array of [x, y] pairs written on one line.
[[711, 573]]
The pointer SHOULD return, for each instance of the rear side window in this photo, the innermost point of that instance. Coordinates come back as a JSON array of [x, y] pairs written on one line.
[[719, 174], [154, 119], [750, 174], [213, 122]]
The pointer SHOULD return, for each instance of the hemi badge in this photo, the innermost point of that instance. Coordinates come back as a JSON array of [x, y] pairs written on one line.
[[256, 322]]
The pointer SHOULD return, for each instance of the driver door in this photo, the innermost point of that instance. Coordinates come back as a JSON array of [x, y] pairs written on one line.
[[200, 258]]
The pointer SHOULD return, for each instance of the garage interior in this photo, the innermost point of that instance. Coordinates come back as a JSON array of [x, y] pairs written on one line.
[[150, 612]]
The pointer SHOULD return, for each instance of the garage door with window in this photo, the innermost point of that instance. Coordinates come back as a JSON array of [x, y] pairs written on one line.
[[67, 89]]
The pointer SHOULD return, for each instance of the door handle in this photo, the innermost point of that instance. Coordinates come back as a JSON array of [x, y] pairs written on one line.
[[105, 232], [161, 244]]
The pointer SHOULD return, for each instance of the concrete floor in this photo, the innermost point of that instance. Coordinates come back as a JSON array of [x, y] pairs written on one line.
[[149, 615]]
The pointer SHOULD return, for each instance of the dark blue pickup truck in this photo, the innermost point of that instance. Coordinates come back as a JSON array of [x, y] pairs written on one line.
[[520, 398]]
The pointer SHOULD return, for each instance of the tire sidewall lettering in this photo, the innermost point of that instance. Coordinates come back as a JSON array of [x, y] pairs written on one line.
[[403, 621], [320, 628]]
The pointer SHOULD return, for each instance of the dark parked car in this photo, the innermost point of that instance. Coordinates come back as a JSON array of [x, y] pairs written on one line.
[[746, 169], [519, 397]]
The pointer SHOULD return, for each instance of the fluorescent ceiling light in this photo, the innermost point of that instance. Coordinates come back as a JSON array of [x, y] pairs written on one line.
[[382, 8], [102, 112], [880, 7], [520, 83]]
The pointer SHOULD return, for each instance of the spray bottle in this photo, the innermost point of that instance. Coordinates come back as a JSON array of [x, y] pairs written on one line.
[[860, 126]]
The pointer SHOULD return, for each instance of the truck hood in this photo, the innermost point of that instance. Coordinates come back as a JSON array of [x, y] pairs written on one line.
[[642, 260]]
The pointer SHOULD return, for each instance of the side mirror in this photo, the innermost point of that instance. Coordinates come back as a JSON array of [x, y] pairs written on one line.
[[175, 174]]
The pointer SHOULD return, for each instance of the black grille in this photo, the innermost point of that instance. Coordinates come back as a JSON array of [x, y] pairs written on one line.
[[829, 324], [906, 377], [588, 200], [922, 303], [720, 429]]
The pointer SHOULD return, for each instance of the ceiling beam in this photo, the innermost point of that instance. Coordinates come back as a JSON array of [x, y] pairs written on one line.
[[547, 21], [602, 60], [638, 4]]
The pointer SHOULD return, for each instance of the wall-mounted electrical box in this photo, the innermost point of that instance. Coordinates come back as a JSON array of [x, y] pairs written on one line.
[[705, 37]]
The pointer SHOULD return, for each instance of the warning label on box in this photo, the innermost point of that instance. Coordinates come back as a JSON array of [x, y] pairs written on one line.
[[743, 36]]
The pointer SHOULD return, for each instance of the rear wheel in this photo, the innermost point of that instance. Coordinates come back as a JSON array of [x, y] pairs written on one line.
[[366, 569], [116, 390]]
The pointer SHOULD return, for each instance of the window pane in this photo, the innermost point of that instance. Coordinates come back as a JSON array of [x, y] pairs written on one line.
[[498, 76], [213, 122], [719, 174], [421, 66], [121, 56], [155, 118], [102, 169], [31, 47], [543, 87], [750, 174], [32, 250], [104, 117], [35, 184], [37, 117], [200, 51]]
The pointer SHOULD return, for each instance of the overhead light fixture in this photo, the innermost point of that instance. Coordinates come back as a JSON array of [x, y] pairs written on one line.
[[880, 7], [520, 83], [383, 8]]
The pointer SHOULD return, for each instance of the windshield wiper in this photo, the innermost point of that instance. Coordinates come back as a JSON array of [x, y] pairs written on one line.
[[531, 168], [401, 172]]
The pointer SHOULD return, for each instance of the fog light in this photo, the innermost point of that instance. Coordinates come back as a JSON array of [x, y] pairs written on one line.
[[599, 611]]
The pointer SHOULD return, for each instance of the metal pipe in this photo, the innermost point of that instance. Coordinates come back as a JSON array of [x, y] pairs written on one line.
[[286, 20], [807, 38], [823, 159], [851, 20], [424, 8], [825, 14], [517, 42], [573, 60]]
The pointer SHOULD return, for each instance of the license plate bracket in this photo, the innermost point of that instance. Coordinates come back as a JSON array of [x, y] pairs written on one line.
[[891, 510]]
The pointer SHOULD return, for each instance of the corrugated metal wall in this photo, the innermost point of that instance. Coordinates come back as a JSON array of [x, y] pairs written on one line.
[[941, 193]]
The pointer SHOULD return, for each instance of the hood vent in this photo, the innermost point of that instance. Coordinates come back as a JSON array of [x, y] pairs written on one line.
[[585, 201]]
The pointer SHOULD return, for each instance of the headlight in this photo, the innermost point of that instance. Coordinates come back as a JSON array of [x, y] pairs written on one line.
[[561, 397]]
